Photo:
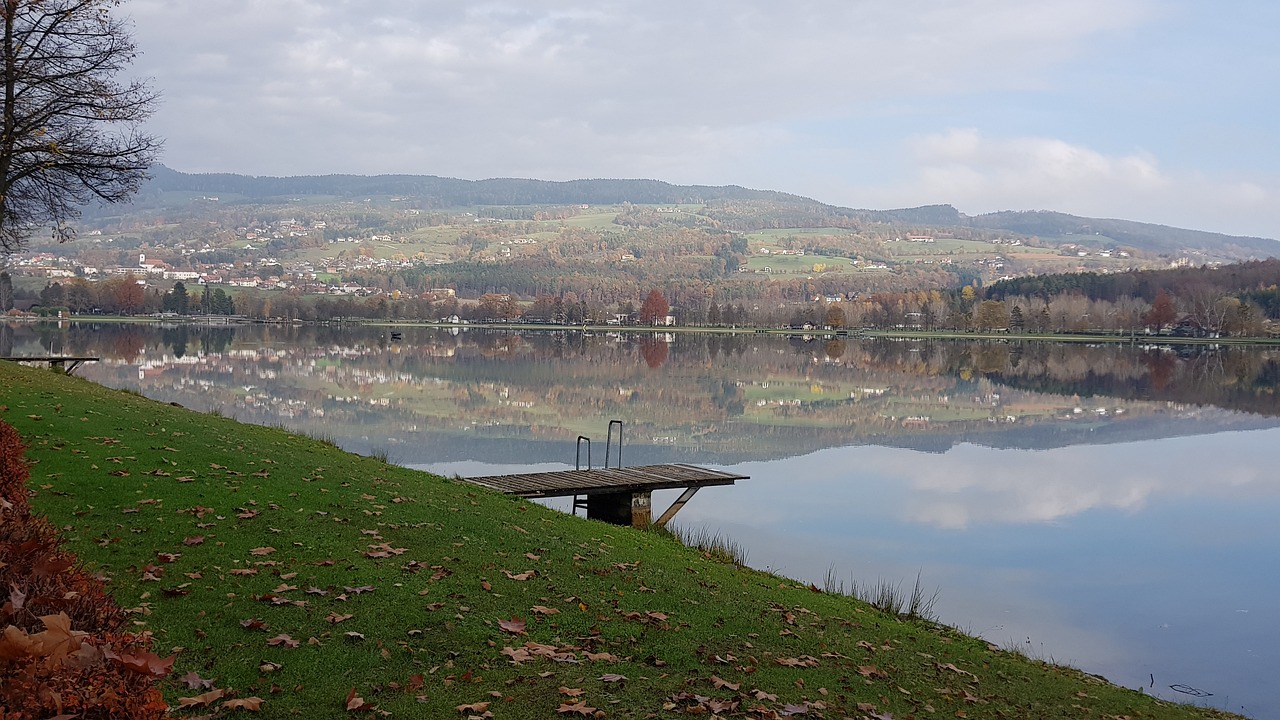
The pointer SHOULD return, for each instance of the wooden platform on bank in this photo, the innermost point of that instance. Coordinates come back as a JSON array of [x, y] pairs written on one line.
[[616, 495], [642, 478]]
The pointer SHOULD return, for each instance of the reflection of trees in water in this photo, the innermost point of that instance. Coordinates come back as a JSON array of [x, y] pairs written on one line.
[[176, 339], [1161, 367], [702, 391], [654, 351], [127, 343]]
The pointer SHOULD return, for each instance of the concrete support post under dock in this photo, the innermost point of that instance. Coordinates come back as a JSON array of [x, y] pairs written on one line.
[[621, 508]]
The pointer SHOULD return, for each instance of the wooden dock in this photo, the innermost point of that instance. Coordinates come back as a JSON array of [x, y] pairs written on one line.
[[617, 495], [67, 363]]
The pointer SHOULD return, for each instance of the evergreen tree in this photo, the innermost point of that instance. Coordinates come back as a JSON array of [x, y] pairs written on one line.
[[6, 292]]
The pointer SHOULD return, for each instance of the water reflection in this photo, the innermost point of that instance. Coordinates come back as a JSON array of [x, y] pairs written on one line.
[[1112, 506], [700, 398]]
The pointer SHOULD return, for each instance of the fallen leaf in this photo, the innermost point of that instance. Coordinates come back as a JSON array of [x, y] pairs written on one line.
[[283, 639], [252, 704], [262, 551], [722, 683], [355, 703], [203, 699], [193, 681], [515, 626]]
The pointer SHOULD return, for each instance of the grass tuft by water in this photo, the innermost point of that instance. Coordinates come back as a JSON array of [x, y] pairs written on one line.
[[713, 544], [888, 596]]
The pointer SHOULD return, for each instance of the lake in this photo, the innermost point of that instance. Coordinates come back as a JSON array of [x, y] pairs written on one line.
[[1107, 507]]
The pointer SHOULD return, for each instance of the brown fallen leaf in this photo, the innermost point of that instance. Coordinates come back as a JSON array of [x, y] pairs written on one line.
[[193, 540], [262, 551], [252, 704], [283, 639], [355, 703], [193, 681], [719, 683], [203, 699], [543, 610], [334, 618], [579, 708], [571, 692], [480, 707], [515, 626]]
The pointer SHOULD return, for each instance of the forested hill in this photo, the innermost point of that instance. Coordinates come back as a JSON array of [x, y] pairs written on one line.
[[453, 192], [1103, 232], [442, 192], [731, 207]]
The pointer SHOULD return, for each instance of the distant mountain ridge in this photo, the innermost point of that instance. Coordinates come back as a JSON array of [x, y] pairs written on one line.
[[441, 192]]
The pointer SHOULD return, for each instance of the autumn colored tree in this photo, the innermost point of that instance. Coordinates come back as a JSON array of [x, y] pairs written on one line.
[[835, 317], [991, 315], [1161, 313], [129, 296], [655, 308]]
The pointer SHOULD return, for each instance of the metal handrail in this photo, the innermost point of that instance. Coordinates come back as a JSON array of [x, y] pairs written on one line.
[[577, 461], [609, 443]]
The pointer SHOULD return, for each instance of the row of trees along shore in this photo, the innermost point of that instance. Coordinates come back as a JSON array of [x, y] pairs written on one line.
[[1187, 302]]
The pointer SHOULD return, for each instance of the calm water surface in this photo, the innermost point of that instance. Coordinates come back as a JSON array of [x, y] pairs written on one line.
[[1109, 508]]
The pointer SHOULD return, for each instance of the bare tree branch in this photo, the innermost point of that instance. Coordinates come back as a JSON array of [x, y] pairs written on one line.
[[71, 132]]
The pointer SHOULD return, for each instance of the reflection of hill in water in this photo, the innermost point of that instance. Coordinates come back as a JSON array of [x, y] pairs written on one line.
[[524, 397], [430, 447]]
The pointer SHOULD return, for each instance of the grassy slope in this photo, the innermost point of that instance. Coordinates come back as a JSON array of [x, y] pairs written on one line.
[[122, 474]]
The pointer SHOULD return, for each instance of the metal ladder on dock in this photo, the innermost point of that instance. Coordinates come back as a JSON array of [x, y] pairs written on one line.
[[580, 501]]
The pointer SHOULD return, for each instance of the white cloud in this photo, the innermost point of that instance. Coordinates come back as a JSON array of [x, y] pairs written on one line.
[[565, 88]]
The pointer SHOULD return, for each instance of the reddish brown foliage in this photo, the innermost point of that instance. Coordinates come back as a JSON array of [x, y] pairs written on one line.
[[62, 649]]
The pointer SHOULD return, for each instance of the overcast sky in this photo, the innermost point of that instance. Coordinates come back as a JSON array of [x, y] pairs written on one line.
[[1156, 110]]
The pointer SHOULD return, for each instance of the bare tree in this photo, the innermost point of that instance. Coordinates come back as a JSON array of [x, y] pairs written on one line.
[[71, 131]]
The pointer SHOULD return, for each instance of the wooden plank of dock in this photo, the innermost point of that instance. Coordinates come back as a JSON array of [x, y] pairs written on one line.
[[642, 478]]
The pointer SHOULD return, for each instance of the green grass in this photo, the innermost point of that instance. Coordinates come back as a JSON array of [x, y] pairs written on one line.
[[255, 512]]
